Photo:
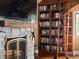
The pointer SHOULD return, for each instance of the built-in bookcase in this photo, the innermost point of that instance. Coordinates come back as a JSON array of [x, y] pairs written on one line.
[[55, 29]]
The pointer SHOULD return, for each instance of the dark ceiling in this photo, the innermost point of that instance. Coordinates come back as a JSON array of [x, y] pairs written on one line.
[[5, 3], [8, 7]]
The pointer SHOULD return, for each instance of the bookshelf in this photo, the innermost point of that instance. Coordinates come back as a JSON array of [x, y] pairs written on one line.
[[68, 32], [54, 29]]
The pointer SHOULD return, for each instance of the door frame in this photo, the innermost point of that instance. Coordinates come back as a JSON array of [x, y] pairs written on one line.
[[75, 52]]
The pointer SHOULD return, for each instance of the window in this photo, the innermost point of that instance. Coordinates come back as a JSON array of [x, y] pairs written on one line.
[[77, 24]]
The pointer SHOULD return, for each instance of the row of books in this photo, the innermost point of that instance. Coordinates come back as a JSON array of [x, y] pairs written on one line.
[[52, 7], [44, 8], [54, 32], [56, 23], [54, 41], [45, 32], [57, 15], [45, 40], [54, 48], [61, 41], [61, 32], [61, 49], [45, 47], [44, 24], [56, 6], [54, 15], [44, 16], [53, 24]]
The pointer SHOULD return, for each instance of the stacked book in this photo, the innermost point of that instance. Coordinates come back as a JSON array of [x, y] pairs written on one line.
[[61, 49], [45, 32], [45, 40], [58, 15], [44, 24], [55, 23], [44, 16], [54, 32], [43, 8], [54, 41]]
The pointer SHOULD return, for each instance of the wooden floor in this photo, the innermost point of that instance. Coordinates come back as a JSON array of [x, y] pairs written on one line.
[[46, 55], [76, 57]]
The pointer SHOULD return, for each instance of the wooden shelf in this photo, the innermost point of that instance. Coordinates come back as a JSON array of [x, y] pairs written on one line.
[[45, 43], [45, 36], [54, 27], [56, 10], [61, 45], [57, 27], [44, 11], [53, 44], [57, 36], [55, 19], [44, 27], [61, 52], [42, 20], [68, 26], [59, 30]]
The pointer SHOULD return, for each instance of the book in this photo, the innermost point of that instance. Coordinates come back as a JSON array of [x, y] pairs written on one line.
[[61, 49], [55, 23], [54, 48], [47, 47], [45, 32], [44, 24], [42, 16], [54, 6], [45, 8], [54, 32], [41, 8], [61, 42], [45, 40], [57, 15], [47, 15], [54, 40]]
